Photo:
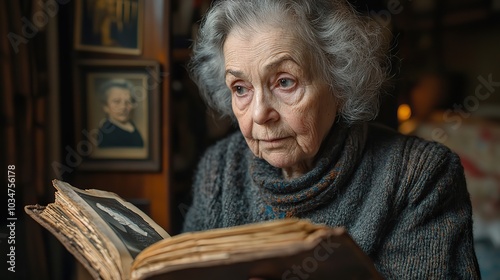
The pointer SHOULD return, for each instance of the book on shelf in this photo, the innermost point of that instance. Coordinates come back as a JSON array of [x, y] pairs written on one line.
[[113, 239]]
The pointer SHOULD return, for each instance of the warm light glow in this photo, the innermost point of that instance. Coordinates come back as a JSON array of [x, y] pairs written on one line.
[[404, 112]]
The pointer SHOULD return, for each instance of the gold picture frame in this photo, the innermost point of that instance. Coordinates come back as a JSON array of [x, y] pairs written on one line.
[[111, 26], [103, 140]]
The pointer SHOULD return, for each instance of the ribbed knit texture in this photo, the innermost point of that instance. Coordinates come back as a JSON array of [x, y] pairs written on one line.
[[402, 199], [333, 168]]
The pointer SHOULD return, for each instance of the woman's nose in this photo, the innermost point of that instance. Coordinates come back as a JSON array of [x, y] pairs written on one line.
[[264, 110]]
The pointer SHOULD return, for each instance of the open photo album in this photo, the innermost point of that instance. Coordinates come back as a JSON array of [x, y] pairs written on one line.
[[113, 239]]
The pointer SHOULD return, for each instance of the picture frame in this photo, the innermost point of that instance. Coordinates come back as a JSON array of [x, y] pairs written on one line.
[[111, 26], [117, 115]]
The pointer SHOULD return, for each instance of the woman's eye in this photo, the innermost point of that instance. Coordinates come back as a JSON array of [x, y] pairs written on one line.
[[286, 82], [240, 90]]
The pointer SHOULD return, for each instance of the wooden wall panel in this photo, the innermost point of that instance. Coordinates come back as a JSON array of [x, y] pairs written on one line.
[[150, 186]]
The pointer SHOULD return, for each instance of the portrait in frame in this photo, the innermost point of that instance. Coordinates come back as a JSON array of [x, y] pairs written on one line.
[[117, 114], [112, 26]]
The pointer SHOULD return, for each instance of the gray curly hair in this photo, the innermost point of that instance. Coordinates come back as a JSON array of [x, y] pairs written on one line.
[[349, 50]]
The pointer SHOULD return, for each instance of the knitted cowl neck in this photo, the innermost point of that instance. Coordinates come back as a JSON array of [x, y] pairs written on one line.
[[335, 162]]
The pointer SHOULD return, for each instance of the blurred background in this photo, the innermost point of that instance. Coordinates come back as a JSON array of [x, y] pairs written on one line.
[[445, 87]]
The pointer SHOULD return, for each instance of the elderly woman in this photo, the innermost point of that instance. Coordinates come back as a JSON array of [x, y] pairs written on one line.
[[302, 78]]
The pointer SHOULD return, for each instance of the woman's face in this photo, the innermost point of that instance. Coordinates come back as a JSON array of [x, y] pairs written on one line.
[[283, 109], [119, 104]]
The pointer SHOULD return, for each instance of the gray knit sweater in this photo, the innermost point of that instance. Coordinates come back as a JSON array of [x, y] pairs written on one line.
[[402, 199]]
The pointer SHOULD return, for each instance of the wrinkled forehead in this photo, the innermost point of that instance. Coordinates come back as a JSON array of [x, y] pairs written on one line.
[[263, 40], [261, 36]]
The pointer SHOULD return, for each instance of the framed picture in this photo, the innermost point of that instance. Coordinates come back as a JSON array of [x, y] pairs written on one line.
[[117, 114], [112, 26]]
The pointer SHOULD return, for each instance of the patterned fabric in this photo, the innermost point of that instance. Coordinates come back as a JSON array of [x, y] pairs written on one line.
[[287, 198], [402, 199]]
